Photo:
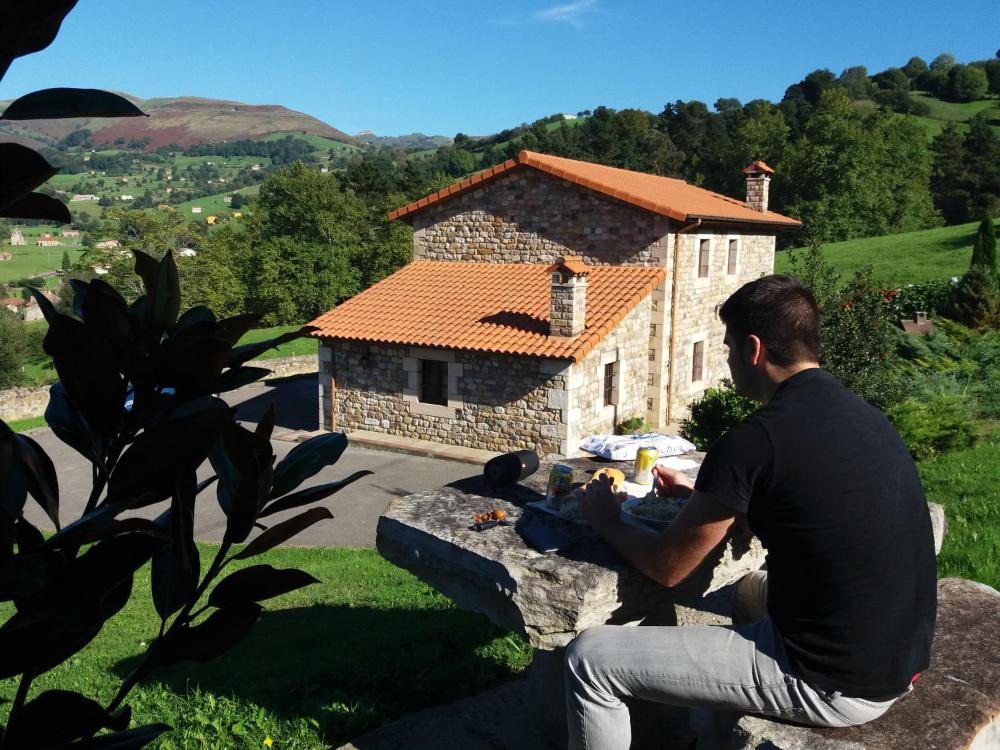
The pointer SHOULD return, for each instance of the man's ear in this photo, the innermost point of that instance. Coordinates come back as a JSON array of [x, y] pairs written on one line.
[[757, 349]]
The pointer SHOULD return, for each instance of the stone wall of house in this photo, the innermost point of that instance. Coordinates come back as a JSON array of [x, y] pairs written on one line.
[[697, 305], [627, 344], [507, 402], [527, 216]]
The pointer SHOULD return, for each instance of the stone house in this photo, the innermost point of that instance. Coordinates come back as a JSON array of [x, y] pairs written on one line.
[[47, 240], [17, 238], [548, 299]]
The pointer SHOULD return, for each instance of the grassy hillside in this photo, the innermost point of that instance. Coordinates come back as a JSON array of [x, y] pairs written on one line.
[[943, 112], [899, 259]]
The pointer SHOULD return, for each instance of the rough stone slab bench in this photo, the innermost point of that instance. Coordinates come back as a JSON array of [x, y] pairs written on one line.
[[955, 705]]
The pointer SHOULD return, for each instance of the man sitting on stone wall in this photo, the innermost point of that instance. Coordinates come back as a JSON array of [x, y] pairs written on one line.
[[841, 623]]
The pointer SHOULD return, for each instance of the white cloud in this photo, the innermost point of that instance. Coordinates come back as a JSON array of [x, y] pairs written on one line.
[[569, 13]]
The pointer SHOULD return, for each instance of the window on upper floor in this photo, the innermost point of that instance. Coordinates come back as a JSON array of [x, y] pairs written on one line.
[[434, 382], [697, 361], [734, 249], [704, 248]]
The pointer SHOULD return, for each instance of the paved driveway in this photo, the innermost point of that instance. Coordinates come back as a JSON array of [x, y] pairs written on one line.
[[356, 509]]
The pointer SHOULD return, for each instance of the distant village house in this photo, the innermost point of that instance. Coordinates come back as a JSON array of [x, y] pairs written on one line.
[[84, 197], [47, 240], [108, 245], [17, 238], [548, 299], [70, 233]]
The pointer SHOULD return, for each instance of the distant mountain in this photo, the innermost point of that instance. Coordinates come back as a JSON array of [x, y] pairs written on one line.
[[185, 120], [413, 141]]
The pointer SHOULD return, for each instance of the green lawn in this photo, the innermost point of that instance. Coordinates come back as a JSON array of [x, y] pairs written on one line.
[[898, 259], [291, 349], [967, 484], [368, 644], [31, 261]]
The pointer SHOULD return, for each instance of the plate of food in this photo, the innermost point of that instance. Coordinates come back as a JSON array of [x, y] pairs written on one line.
[[654, 511], [567, 505]]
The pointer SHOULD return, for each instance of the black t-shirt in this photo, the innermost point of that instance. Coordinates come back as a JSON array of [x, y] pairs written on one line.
[[833, 495]]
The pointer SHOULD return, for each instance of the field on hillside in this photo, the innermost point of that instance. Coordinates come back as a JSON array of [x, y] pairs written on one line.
[[899, 259], [318, 142], [943, 112], [213, 204], [31, 261]]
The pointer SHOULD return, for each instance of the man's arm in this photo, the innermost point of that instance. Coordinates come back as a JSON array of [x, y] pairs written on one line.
[[672, 555]]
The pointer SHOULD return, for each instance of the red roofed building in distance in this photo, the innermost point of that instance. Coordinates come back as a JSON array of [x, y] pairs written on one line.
[[548, 299]]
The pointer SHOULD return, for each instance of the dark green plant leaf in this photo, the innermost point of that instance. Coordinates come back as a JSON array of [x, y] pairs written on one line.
[[196, 314], [247, 352], [37, 206], [250, 462], [222, 630], [98, 525], [28, 538], [147, 268], [266, 425], [62, 103], [89, 368], [47, 308], [43, 484], [13, 481], [23, 171], [93, 588], [257, 583], [59, 716], [103, 309], [193, 359], [29, 27], [80, 289], [236, 327], [146, 472], [130, 739], [283, 531], [67, 423], [230, 380], [305, 459], [176, 569], [165, 300], [310, 494]]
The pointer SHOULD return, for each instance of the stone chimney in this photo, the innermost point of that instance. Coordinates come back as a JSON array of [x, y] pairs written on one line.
[[758, 181], [568, 306]]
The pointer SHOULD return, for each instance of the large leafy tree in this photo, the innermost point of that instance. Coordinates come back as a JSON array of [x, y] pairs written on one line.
[[853, 176]]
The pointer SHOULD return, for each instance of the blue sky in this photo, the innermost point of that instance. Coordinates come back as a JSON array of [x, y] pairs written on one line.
[[480, 66]]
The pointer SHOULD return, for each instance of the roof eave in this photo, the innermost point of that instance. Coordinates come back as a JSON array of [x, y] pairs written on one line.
[[786, 223]]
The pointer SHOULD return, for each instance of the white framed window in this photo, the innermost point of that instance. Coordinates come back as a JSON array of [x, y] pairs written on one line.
[[432, 378], [704, 256], [697, 361], [611, 383], [433, 382]]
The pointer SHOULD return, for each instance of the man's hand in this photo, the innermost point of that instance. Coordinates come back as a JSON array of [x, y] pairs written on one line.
[[599, 506], [671, 483]]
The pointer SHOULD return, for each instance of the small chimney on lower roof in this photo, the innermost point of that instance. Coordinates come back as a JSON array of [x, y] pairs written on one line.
[[758, 181], [568, 304]]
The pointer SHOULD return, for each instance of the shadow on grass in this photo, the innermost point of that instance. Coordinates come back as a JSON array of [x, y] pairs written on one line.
[[351, 669]]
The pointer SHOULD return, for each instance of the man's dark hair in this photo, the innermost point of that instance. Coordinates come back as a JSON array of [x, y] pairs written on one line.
[[780, 312]]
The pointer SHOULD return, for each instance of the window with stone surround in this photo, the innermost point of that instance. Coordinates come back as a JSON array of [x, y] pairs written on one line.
[[434, 382], [734, 249], [697, 361], [704, 249], [610, 383]]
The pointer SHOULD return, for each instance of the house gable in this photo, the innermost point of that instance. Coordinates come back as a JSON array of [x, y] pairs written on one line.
[[528, 216]]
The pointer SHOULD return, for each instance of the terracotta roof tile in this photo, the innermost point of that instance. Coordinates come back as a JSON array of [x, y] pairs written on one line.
[[757, 166], [502, 308], [663, 195], [572, 263]]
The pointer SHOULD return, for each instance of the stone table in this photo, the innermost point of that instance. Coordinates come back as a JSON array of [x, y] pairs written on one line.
[[548, 598]]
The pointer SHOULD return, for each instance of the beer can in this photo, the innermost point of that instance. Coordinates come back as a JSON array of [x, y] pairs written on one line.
[[560, 485], [645, 458]]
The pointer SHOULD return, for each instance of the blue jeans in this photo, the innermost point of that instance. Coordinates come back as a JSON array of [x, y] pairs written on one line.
[[731, 670]]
